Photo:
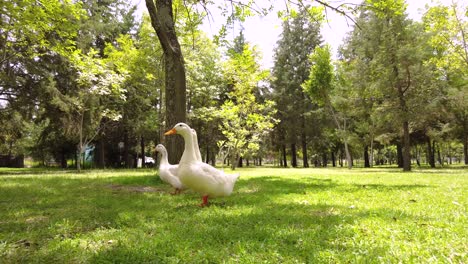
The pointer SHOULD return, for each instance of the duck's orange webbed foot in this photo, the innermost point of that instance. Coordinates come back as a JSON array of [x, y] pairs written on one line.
[[205, 201]]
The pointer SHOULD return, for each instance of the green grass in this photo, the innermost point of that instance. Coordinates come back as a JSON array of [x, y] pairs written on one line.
[[273, 216]]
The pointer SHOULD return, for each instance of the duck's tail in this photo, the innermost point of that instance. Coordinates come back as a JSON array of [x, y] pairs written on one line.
[[234, 177]]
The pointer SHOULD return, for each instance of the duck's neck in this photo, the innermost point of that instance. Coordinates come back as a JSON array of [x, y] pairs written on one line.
[[196, 148], [164, 160], [189, 154]]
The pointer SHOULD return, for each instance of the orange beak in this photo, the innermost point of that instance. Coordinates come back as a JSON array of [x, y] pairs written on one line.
[[171, 132]]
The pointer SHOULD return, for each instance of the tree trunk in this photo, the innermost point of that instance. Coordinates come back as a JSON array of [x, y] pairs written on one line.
[[285, 161], [406, 152], [340, 160], [348, 155], [324, 159], [371, 156], [101, 162], [63, 159], [233, 161], [213, 159], [418, 157], [80, 146], [125, 153], [175, 83], [399, 156], [333, 158], [406, 147], [142, 146], [78, 158], [240, 163], [293, 155], [316, 162], [430, 153], [439, 157], [366, 157], [304, 151], [465, 149], [449, 154], [305, 163], [10, 150]]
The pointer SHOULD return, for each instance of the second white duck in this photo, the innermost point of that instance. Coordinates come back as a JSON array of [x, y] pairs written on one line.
[[168, 172]]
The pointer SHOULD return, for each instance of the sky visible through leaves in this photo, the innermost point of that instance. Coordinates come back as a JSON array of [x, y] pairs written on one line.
[[265, 31]]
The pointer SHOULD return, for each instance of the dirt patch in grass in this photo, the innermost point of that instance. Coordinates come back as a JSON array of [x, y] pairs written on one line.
[[325, 213], [139, 189], [36, 219]]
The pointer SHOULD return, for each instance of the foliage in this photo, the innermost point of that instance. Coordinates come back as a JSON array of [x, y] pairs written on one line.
[[30, 32], [396, 88], [143, 81], [27, 26], [244, 120], [319, 84], [448, 28], [98, 88], [11, 131]]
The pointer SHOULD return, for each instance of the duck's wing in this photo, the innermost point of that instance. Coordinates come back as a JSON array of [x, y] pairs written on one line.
[[214, 175], [172, 169], [175, 182], [171, 176]]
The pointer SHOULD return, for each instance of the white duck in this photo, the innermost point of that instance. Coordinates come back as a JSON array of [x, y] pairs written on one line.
[[197, 175], [168, 172], [196, 148]]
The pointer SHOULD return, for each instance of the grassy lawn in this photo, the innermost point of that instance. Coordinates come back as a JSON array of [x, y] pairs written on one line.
[[274, 216]]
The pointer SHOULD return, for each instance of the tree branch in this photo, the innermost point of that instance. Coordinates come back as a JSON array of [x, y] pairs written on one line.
[[339, 11], [156, 23], [258, 11], [459, 24], [408, 79]]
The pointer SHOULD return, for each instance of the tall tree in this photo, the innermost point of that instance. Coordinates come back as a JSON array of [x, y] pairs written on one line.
[[299, 38], [96, 89], [448, 28], [319, 86], [162, 20], [142, 85], [391, 50], [35, 37], [396, 78], [244, 120]]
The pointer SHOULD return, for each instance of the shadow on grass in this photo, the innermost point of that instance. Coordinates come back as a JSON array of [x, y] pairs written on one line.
[[59, 171], [62, 217], [32, 171]]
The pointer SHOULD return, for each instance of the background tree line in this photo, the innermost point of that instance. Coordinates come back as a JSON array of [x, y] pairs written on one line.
[[90, 77]]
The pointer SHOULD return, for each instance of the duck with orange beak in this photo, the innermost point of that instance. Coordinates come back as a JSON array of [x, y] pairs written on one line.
[[197, 175]]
